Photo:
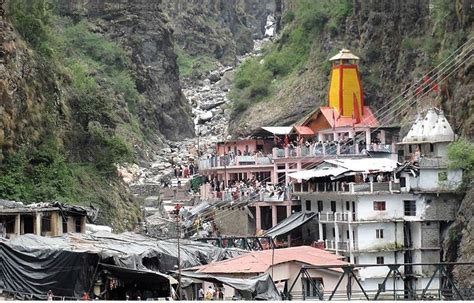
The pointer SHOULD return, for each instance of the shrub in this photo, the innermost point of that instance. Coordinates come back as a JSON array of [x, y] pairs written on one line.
[[461, 156], [288, 17]]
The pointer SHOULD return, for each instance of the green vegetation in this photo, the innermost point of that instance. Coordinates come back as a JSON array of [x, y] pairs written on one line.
[[461, 156], [189, 65], [256, 81], [97, 91]]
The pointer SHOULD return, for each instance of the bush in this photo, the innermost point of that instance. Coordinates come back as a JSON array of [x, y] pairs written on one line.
[[461, 156], [288, 17]]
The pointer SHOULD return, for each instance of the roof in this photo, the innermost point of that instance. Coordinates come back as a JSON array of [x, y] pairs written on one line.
[[344, 54], [303, 130], [13, 207], [295, 220], [278, 130], [434, 127], [347, 166], [260, 261], [367, 120]]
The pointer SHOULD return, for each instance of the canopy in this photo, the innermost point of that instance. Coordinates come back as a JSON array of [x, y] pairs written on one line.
[[290, 223], [32, 273], [278, 130], [304, 131], [318, 173], [255, 288]]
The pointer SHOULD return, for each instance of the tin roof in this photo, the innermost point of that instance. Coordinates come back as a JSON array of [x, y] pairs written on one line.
[[344, 54], [261, 261]]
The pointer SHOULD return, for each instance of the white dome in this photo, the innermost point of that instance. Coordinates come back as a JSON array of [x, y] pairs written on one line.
[[433, 128]]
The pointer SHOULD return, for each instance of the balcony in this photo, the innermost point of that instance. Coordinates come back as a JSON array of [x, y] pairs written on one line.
[[346, 188], [229, 161], [331, 217], [340, 245], [328, 149]]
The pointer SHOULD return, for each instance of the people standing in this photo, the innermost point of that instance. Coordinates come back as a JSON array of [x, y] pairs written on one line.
[[200, 294]]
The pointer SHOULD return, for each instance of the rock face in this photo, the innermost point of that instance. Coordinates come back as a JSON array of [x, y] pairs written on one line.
[[219, 28], [145, 33], [389, 62]]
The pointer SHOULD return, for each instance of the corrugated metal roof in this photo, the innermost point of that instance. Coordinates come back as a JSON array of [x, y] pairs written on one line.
[[278, 130], [261, 261]]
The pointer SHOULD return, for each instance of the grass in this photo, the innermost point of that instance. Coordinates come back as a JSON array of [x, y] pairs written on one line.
[[189, 64], [256, 82]]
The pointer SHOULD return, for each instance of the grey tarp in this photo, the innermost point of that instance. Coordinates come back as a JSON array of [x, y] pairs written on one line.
[[31, 273], [255, 288], [131, 250], [290, 223]]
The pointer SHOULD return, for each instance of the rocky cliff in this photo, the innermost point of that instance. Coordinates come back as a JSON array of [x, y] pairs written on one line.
[[398, 41], [142, 29], [209, 32]]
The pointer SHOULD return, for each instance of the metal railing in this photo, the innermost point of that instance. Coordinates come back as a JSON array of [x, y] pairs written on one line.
[[343, 187], [232, 161], [324, 149]]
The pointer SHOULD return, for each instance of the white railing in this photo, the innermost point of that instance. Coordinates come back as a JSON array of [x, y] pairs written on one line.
[[324, 149], [328, 217], [344, 187], [231, 161], [339, 245]]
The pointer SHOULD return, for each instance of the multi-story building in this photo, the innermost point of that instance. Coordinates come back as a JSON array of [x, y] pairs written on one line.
[[374, 211]]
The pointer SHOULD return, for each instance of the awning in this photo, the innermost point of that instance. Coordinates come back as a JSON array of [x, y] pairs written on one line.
[[318, 173], [304, 131], [255, 288], [278, 130], [144, 277], [290, 223], [366, 165]]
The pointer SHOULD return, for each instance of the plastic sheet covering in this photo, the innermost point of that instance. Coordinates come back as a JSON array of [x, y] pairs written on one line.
[[255, 288], [31, 273], [130, 250], [290, 223]]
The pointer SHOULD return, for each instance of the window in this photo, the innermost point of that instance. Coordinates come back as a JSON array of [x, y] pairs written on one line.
[[379, 233], [46, 223], [348, 205], [431, 147], [379, 205], [308, 204], [403, 182], [334, 233], [78, 225], [313, 286], [410, 207], [380, 260], [320, 206], [347, 234], [333, 206], [381, 287], [442, 176], [324, 232]]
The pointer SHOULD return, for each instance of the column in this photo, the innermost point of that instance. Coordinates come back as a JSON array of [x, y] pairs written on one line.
[[258, 218], [38, 224], [367, 137], [320, 231], [17, 229], [382, 136], [288, 213], [55, 229], [274, 215], [351, 244], [336, 228]]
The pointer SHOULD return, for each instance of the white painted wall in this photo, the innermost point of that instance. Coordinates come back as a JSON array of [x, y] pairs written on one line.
[[428, 180], [392, 235]]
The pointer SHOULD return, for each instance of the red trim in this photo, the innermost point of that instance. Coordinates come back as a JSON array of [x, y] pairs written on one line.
[[346, 65], [362, 103], [341, 109]]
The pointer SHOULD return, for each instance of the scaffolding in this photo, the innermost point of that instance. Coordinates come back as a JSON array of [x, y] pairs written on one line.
[[447, 289]]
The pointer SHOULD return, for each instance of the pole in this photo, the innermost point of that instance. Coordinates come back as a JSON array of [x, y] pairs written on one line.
[[178, 229]]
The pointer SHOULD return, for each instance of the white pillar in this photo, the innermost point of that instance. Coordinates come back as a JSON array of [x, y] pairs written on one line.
[[258, 218], [274, 215], [321, 231], [351, 244], [38, 224]]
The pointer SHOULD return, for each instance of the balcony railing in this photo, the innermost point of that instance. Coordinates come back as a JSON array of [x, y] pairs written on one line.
[[223, 161], [343, 187], [328, 217], [339, 245], [324, 149]]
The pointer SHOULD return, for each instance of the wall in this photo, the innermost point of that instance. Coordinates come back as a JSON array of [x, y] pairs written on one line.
[[233, 221], [428, 180], [392, 236]]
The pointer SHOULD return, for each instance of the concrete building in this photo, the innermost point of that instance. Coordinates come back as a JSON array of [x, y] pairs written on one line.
[[284, 269], [373, 211], [42, 219]]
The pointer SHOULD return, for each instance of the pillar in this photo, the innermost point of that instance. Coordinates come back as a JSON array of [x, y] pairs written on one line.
[[351, 244], [274, 215], [38, 224], [320, 227], [258, 218], [336, 228], [288, 213], [54, 225], [17, 228], [382, 136], [367, 137]]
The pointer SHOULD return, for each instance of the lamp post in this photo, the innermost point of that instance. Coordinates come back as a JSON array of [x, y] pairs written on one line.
[[177, 207]]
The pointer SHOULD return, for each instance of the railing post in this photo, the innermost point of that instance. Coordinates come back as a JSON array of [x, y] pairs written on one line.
[[371, 187]]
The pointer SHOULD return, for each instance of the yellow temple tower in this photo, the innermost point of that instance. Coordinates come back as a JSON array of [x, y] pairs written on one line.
[[345, 88]]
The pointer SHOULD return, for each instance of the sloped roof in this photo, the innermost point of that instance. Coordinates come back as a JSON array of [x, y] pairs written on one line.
[[434, 127], [303, 130], [344, 54], [278, 130], [367, 120], [290, 223], [318, 172], [260, 261]]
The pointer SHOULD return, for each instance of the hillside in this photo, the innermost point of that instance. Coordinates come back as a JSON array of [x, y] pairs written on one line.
[[397, 42], [83, 89]]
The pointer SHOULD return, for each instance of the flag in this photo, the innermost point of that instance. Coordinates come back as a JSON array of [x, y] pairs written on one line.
[[286, 140]]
